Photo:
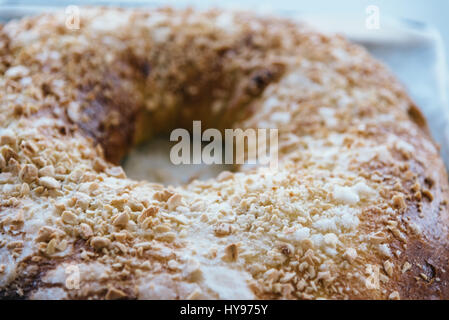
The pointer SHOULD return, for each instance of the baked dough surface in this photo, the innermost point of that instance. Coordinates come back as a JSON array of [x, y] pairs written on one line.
[[357, 208]]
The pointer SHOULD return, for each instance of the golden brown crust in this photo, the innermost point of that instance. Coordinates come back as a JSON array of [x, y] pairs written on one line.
[[357, 208]]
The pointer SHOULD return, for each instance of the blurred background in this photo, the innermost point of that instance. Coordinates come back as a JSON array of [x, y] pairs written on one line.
[[433, 12]]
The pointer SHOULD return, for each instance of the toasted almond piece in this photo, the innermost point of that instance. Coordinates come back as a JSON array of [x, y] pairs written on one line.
[[69, 217], [225, 175], [350, 255], [149, 212], [231, 252], [161, 228], [426, 193], [62, 245], [114, 294], [389, 268], [406, 267], [192, 271], [399, 202], [116, 172], [394, 296], [49, 182], [162, 196], [24, 189], [28, 173], [19, 218], [174, 201], [17, 72], [120, 246], [2, 162], [100, 242], [46, 233], [121, 220], [47, 171], [222, 229], [99, 165], [7, 137], [14, 244], [166, 237], [147, 223], [8, 154], [51, 247], [120, 236], [86, 231]]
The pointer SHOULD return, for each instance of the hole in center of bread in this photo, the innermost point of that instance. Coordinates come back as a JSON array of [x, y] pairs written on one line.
[[150, 161]]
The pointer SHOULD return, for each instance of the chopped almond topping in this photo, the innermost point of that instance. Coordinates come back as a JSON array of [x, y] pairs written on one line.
[[116, 172], [406, 267], [174, 201], [350, 255], [121, 220], [49, 182], [225, 175], [389, 268], [69, 217], [416, 187], [399, 202], [86, 231], [231, 252], [8, 137], [28, 173], [222, 229], [428, 195], [114, 294], [46, 233], [394, 296], [149, 212], [100, 242], [162, 196]]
